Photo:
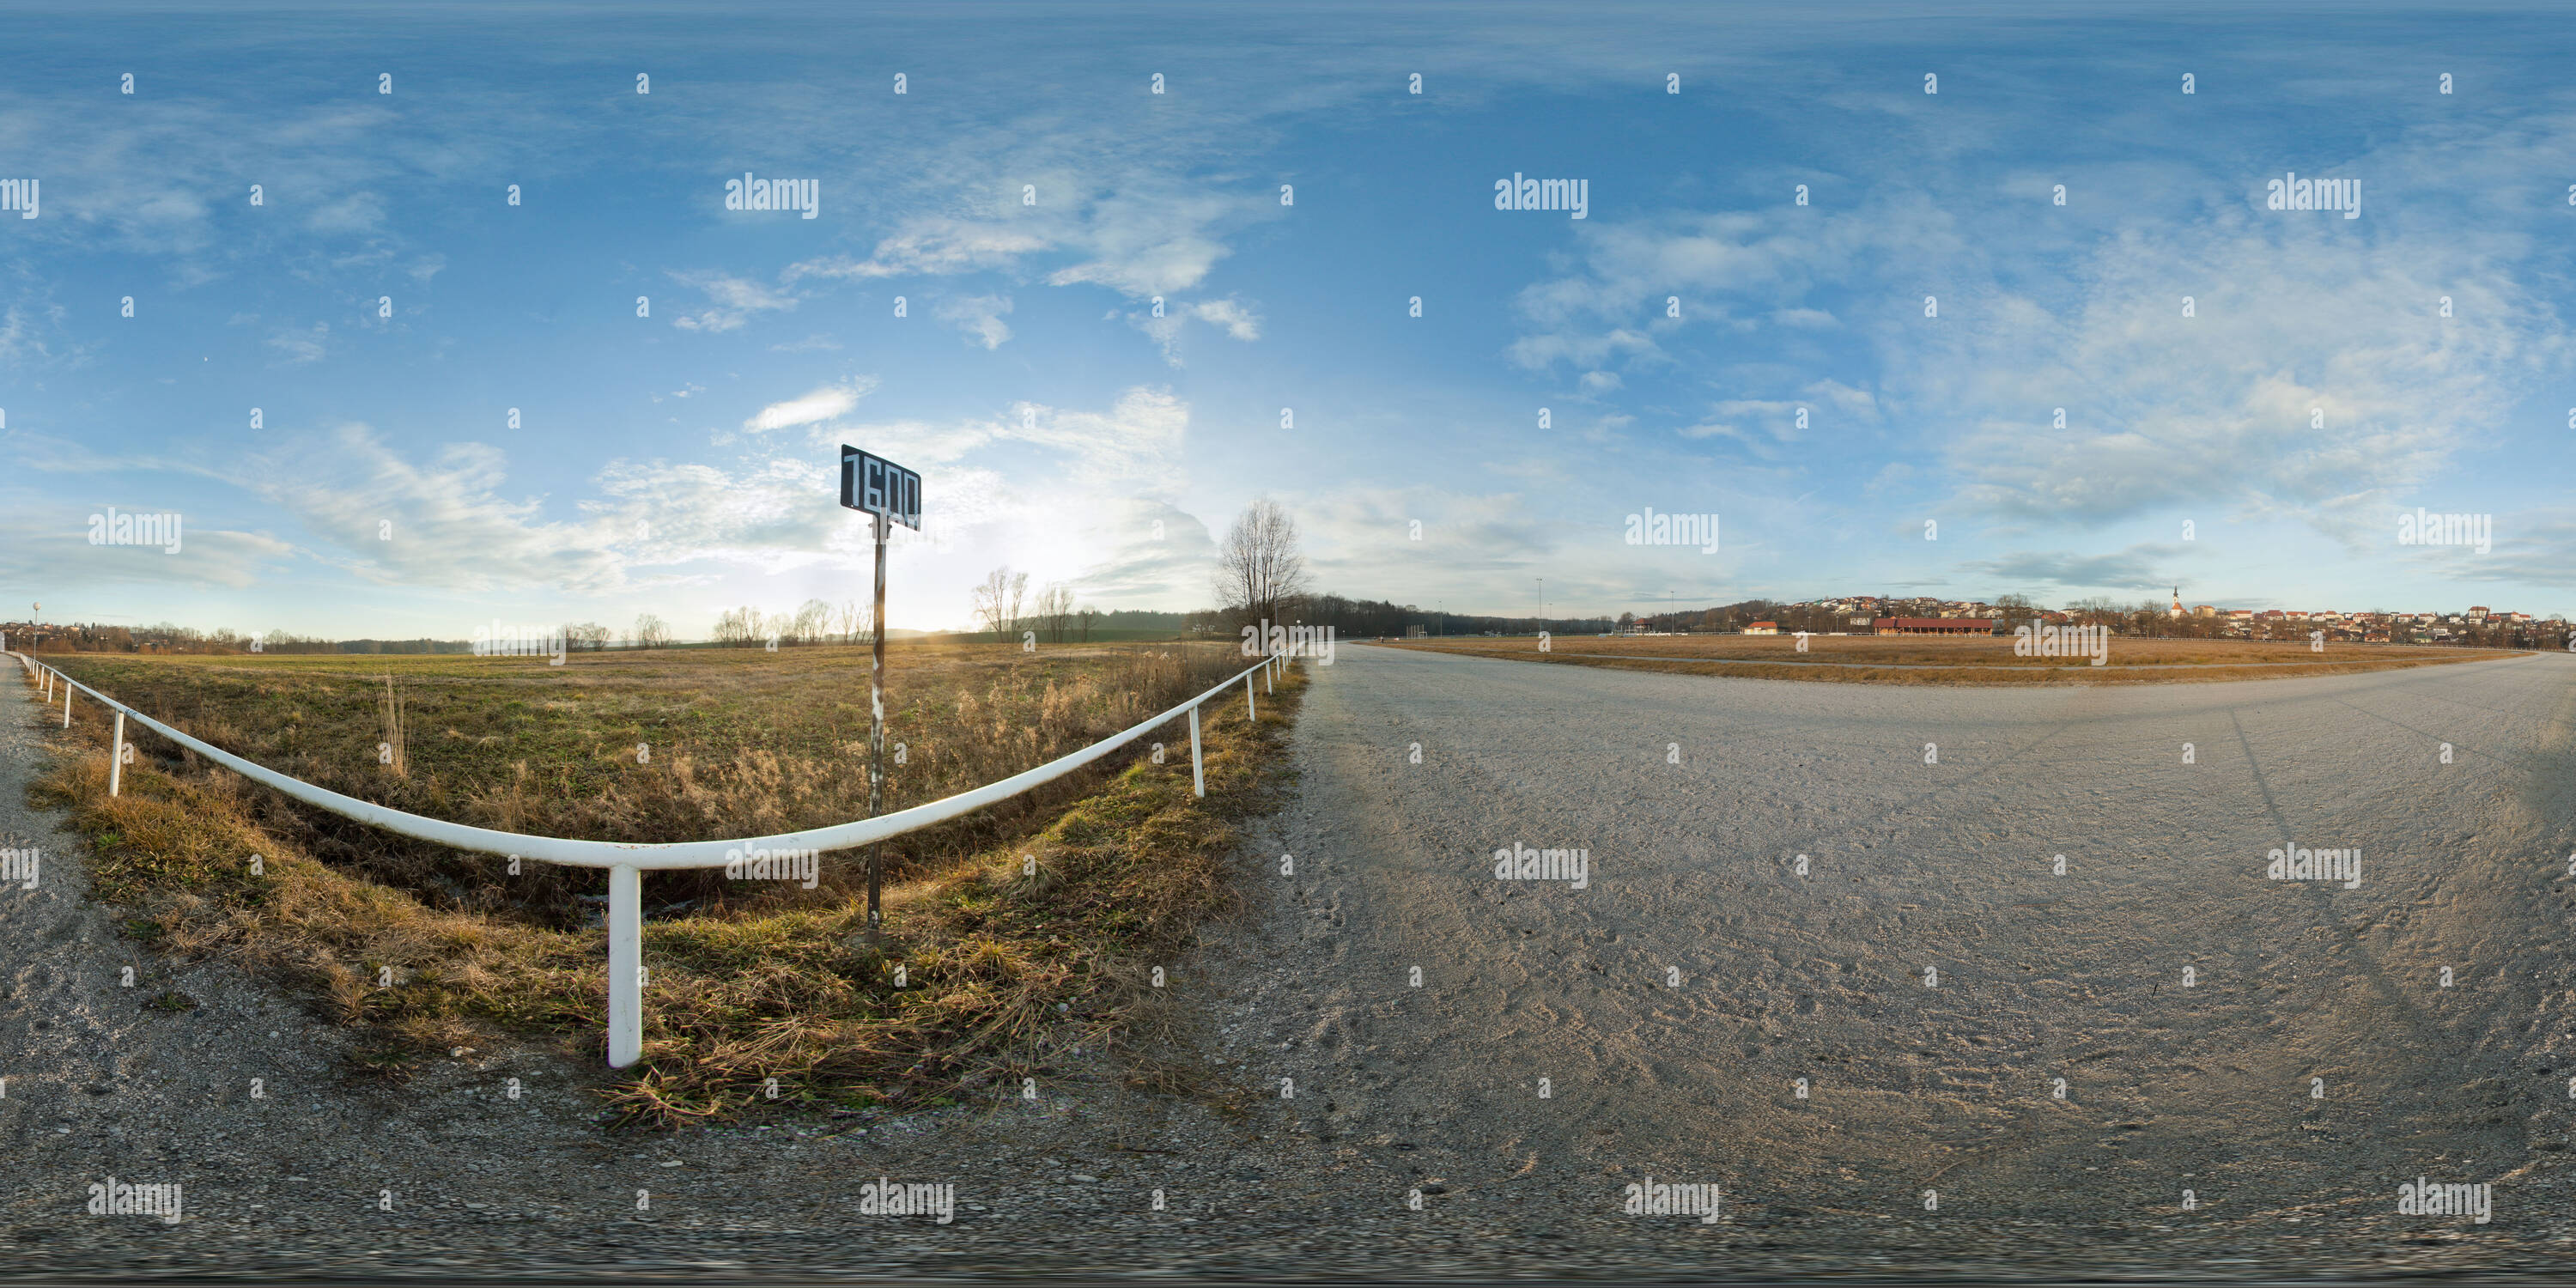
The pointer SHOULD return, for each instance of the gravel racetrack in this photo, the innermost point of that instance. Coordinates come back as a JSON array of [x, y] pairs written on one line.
[[1691, 867]]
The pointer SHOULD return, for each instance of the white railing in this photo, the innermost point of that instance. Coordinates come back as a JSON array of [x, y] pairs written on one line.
[[627, 861]]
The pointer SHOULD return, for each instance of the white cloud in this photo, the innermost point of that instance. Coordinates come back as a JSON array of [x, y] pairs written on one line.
[[1234, 317], [1139, 233], [55, 538], [732, 301], [302, 346], [1134, 445], [443, 523], [2289, 325], [2210, 412], [979, 316], [819, 405], [357, 212], [1607, 300], [1238, 321], [1765, 427], [20, 342], [929, 247]]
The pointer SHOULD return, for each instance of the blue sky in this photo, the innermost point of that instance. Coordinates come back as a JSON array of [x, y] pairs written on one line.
[[684, 462]]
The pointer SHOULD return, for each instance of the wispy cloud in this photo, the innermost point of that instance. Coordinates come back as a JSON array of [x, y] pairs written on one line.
[[822, 404], [731, 301], [979, 316], [302, 346], [388, 519]]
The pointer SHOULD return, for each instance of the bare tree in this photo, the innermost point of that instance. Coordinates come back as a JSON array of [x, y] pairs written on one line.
[[1055, 611], [813, 620], [1086, 617], [741, 627], [1019, 597], [1260, 570], [857, 620], [650, 631], [993, 605]]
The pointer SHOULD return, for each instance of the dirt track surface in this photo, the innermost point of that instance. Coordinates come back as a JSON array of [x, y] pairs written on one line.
[[1691, 866]]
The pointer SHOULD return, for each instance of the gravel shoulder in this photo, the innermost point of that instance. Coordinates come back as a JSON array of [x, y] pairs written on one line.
[[1398, 1089]]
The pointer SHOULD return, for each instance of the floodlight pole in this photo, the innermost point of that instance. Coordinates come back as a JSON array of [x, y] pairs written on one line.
[[876, 740]]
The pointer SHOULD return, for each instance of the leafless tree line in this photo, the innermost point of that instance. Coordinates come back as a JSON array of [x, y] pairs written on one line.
[[813, 622], [1003, 607], [1260, 574]]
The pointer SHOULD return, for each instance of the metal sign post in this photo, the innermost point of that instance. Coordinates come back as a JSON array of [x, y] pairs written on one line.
[[891, 493], [876, 736]]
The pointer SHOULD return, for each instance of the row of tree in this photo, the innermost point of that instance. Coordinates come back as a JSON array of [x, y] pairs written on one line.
[[813, 622], [1002, 607]]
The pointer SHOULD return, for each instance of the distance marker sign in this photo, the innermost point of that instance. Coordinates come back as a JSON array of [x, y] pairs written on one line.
[[875, 485]]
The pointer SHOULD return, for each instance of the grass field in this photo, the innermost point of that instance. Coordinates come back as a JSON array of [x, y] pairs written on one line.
[[749, 980], [1924, 659]]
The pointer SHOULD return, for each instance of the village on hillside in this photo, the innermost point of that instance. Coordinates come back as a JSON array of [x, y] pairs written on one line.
[[2476, 626]]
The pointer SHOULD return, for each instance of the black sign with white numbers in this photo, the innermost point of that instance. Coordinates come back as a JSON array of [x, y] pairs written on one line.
[[878, 486]]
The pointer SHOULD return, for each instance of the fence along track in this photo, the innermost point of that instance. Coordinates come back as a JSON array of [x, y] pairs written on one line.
[[627, 861]]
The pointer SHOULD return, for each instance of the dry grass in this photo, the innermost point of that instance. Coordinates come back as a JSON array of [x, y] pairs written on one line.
[[1002, 966], [664, 745], [1936, 660]]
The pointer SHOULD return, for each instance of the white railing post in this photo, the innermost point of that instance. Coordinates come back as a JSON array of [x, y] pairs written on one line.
[[1248, 712], [1268, 684], [67, 702], [625, 965], [1198, 776], [116, 757]]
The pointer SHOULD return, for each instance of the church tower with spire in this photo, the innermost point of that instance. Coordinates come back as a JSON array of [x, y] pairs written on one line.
[[2176, 610]]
